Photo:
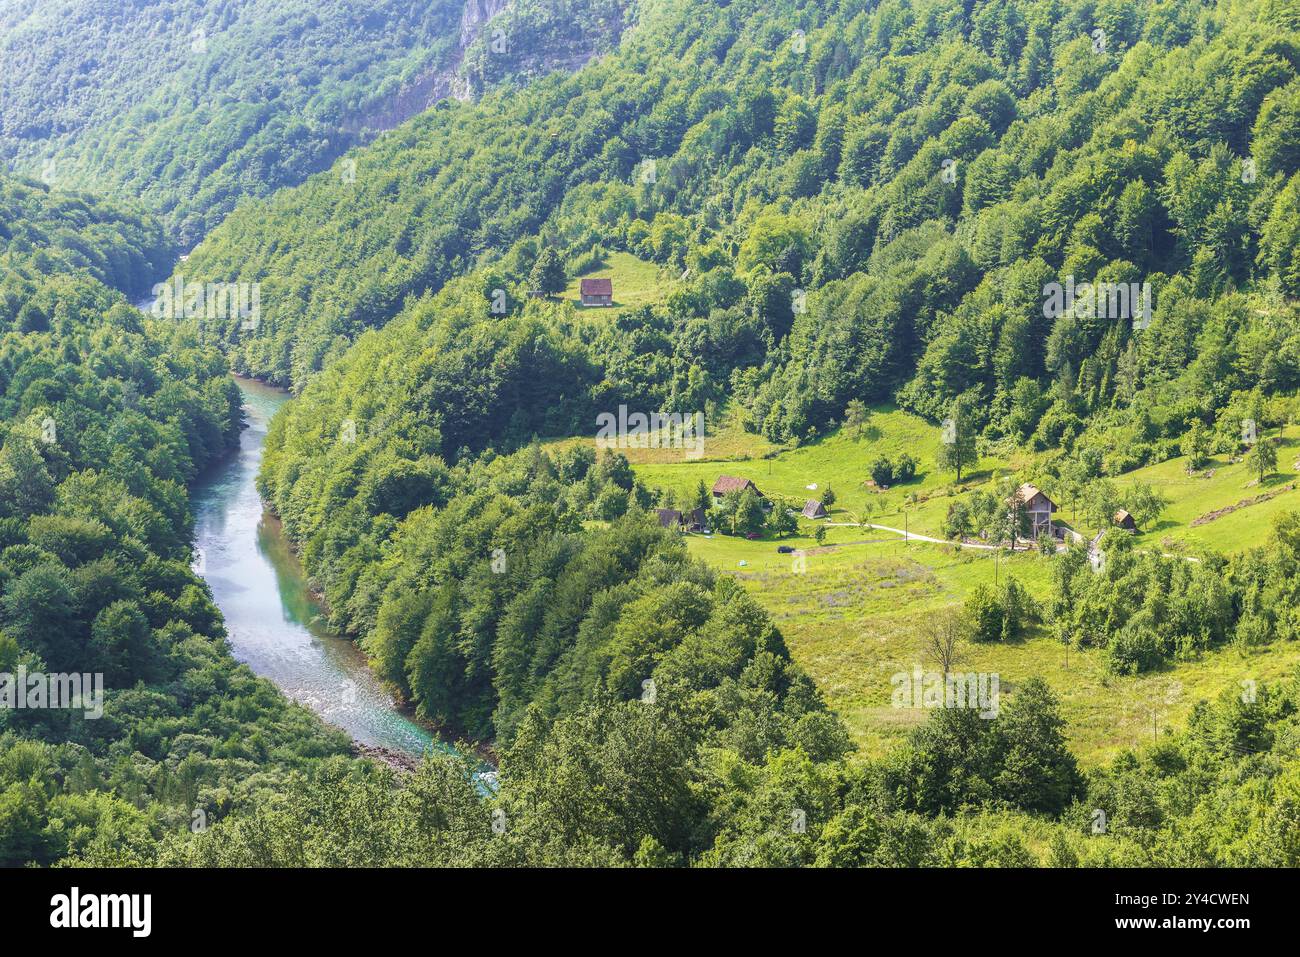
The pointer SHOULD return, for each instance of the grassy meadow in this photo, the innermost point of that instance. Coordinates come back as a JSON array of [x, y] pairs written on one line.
[[853, 611], [840, 461], [855, 616], [1222, 484], [636, 282]]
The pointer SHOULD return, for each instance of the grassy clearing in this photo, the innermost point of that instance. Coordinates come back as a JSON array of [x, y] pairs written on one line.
[[636, 282], [855, 615], [1218, 485], [841, 461]]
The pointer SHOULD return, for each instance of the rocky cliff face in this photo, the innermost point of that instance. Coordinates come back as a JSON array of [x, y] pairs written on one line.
[[476, 14], [453, 80], [437, 84]]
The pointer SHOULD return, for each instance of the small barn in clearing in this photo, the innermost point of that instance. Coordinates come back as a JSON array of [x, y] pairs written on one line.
[[692, 521], [1125, 521], [813, 509], [1037, 506], [597, 292], [730, 483], [669, 517]]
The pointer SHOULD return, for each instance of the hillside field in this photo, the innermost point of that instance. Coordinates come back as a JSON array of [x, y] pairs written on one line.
[[852, 617], [636, 282]]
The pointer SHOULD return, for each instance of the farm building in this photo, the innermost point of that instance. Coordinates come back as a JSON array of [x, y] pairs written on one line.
[[813, 509], [692, 521], [730, 483], [597, 292], [669, 517], [1037, 506], [1125, 521]]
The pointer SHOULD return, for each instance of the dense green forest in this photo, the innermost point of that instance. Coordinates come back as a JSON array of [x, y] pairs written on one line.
[[60, 232], [191, 107], [105, 416], [906, 301], [962, 794], [823, 170], [814, 161], [862, 202]]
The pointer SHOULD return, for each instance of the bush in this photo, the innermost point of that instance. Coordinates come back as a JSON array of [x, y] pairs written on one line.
[[882, 471], [984, 614], [1000, 614], [1134, 650]]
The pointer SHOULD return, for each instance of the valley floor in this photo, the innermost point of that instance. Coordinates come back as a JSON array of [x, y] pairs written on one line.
[[853, 615]]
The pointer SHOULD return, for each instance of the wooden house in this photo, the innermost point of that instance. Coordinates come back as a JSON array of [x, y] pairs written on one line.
[[669, 517], [1037, 506], [597, 292], [730, 483], [695, 520], [813, 509]]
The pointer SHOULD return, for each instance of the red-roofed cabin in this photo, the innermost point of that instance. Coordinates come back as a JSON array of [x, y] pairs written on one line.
[[597, 292], [730, 483]]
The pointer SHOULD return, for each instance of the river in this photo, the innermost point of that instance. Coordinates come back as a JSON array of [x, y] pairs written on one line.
[[276, 626]]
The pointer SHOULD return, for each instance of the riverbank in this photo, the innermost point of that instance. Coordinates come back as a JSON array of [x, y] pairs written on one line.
[[274, 623]]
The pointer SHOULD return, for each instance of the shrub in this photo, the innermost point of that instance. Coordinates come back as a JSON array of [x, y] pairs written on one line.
[[882, 471]]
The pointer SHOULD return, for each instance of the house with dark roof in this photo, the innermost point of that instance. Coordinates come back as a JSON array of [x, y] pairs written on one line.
[[669, 517], [730, 483], [695, 520], [813, 509], [1037, 506], [597, 292]]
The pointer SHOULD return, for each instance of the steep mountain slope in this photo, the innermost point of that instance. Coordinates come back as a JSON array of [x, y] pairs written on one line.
[[105, 417], [872, 205], [1111, 166], [191, 107], [860, 201], [121, 247], [824, 170]]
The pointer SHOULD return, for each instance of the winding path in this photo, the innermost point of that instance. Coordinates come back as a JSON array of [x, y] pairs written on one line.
[[907, 536]]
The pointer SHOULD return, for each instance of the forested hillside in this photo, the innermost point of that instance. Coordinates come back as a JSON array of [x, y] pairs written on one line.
[[191, 107], [105, 417], [842, 205], [964, 793], [646, 712], [824, 170], [924, 174], [63, 232], [927, 291]]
